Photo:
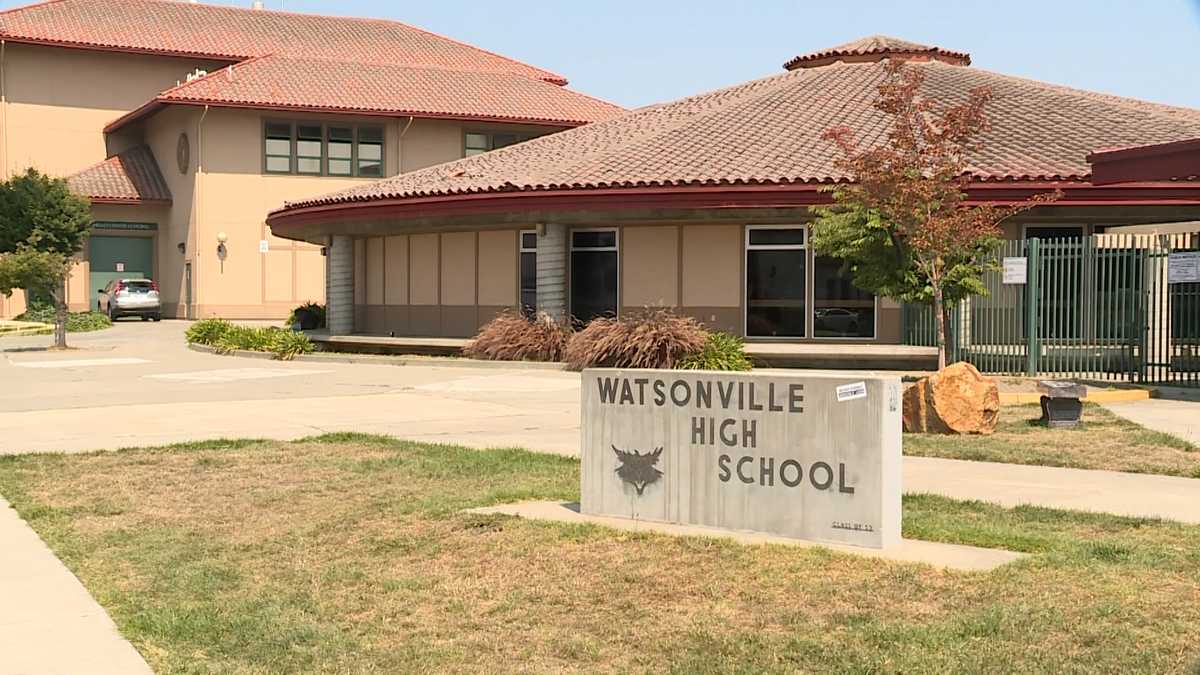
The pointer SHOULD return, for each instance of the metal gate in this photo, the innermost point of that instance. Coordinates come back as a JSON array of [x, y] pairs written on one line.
[[1102, 307]]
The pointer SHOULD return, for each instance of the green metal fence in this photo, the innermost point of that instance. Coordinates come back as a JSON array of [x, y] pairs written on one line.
[[1099, 307]]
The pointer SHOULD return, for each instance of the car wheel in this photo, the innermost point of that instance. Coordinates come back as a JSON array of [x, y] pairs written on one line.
[[158, 317], [145, 318]]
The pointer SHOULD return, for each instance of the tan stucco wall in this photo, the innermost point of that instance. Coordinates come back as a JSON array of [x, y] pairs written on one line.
[[458, 268], [650, 266], [498, 268], [396, 263], [423, 269], [57, 101]]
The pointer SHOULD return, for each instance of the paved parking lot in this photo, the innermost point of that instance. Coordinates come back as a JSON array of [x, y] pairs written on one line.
[[137, 384]]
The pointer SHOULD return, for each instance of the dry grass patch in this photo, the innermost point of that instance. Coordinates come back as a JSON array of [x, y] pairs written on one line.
[[1104, 441], [352, 554]]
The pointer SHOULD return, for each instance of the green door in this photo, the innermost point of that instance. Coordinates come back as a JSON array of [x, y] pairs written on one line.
[[119, 258]]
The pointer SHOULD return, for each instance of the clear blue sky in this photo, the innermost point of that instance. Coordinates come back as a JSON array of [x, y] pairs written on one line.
[[635, 52]]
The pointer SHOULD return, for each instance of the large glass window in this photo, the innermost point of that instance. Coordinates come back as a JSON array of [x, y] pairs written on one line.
[[370, 151], [278, 147], [840, 310], [314, 149], [308, 149], [479, 142], [340, 146], [528, 273], [775, 281], [593, 275]]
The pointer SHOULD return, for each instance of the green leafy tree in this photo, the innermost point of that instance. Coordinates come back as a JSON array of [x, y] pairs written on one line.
[[43, 225], [901, 225]]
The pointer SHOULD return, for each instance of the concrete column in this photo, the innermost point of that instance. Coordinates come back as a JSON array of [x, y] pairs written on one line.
[[339, 286], [552, 251]]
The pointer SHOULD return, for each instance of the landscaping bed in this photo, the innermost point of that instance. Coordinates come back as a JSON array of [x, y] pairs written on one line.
[[349, 553], [1103, 441]]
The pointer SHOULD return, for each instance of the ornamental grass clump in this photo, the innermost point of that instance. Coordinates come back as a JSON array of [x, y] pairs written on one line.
[[722, 351], [652, 339], [512, 336]]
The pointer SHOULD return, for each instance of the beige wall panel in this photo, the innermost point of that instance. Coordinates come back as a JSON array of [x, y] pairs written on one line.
[[395, 279], [310, 276], [423, 277], [59, 101], [889, 325], [360, 271], [279, 266], [458, 268], [712, 265], [650, 266], [375, 271], [498, 268]]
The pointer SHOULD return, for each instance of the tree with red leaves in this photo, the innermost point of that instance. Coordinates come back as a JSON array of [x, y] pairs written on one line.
[[901, 224]]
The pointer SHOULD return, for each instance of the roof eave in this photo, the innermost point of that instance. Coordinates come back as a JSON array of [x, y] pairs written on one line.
[[156, 104], [128, 201], [96, 47]]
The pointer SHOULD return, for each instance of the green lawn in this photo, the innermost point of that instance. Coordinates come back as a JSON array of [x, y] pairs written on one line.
[[1104, 441], [350, 554]]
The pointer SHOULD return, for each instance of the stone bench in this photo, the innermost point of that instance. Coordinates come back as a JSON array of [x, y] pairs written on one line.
[[1062, 402]]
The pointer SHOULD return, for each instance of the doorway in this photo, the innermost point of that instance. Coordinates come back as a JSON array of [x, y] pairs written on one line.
[[118, 258]]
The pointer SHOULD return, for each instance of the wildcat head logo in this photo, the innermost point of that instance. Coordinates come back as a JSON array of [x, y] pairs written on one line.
[[637, 469]]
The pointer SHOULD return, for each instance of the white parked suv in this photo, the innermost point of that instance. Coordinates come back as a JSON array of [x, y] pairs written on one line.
[[130, 297]]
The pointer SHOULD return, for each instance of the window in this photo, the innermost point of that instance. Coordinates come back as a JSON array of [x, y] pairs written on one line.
[[340, 148], [528, 253], [308, 149], [775, 281], [840, 309], [278, 147], [479, 142], [593, 275], [370, 151], [314, 149]]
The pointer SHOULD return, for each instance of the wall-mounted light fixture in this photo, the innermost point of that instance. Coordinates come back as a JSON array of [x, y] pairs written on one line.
[[182, 247], [221, 250]]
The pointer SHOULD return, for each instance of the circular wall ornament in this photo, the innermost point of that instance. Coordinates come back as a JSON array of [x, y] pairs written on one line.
[[182, 153]]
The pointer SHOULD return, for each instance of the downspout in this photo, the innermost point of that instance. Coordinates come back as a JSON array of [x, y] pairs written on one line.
[[400, 145], [199, 211]]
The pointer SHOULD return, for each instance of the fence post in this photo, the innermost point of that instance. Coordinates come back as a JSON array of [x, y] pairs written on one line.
[[1032, 296]]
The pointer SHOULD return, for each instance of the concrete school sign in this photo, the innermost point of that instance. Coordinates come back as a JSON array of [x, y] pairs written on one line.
[[806, 456]]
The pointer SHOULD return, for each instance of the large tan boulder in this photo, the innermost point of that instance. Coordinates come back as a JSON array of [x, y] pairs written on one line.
[[955, 400]]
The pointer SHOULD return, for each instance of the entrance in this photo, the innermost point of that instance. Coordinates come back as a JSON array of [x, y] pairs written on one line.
[[118, 258], [593, 275]]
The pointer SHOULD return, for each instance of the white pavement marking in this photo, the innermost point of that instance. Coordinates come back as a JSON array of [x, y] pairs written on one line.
[[231, 375], [502, 384], [79, 363], [48, 622]]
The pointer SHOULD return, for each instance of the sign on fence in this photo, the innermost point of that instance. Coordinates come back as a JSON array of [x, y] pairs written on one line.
[[1015, 270], [1183, 268], [812, 457]]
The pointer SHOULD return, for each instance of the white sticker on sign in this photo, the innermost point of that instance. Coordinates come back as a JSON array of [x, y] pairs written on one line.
[[263, 246], [849, 392], [120, 267]]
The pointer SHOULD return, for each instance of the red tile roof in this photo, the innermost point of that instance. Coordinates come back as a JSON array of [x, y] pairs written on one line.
[[877, 46], [233, 33], [130, 177], [769, 131], [285, 82]]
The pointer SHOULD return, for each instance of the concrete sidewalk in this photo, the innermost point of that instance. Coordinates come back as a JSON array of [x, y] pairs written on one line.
[[1178, 418], [1123, 494], [49, 625]]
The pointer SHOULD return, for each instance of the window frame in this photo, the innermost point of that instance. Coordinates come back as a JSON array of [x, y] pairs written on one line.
[[294, 156], [571, 248], [521, 251], [490, 135], [747, 247]]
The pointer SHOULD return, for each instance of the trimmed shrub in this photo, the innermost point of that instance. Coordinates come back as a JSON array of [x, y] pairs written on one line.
[[207, 331], [514, 337], [77, 322], [226, 338], [654, 339], [722, 351]]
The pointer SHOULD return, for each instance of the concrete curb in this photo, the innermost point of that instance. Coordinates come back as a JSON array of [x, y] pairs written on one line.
[[386, 360]]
